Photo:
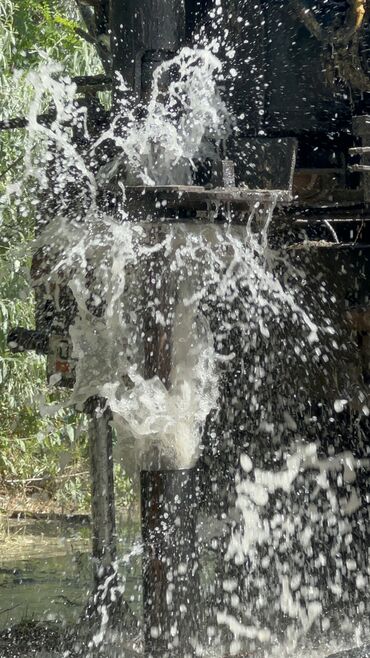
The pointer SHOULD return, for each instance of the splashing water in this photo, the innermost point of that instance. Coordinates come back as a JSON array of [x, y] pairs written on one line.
[[247, 339], [108, 342], [180, 124]]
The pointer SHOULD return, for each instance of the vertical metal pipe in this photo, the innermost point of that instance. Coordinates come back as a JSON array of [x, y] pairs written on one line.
[[168, 499], [170, 562], [144, 34], [148, 26], [102, 493]]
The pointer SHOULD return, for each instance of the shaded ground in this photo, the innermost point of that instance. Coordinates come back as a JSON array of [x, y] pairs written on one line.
[[30, 638], [45, 579], [21, 501], [51, 641]]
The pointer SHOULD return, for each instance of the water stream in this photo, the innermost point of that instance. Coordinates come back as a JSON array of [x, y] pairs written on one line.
[[257, 347]]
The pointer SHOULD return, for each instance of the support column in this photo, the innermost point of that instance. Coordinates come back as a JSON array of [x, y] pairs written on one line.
[[168, 498], [170, 562], [102, 493], [144, 31]]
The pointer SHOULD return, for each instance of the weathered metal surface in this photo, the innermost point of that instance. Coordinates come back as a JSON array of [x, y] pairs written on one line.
[[265, 163], [58, 348], [102, 493], [347, 269], [181, 202], [361, 128], [170, 562], [61, 366], [168, 497], [359, 150], [158, 334], [344, 269], [196, 11], [151, 26], [244, 27], [361, 168], [223, 173], [299, 96], [357, 652]]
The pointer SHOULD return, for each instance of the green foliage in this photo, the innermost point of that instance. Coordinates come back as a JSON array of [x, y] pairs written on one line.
[[75, 491], [123, 487], [45, 26], [32, 446], [37, 23]]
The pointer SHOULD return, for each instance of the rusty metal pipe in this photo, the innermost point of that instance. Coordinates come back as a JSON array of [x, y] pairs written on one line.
[[170, 562]]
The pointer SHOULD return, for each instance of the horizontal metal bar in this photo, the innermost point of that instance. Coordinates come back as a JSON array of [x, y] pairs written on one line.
[[360, 167], [84, 83], [22, 340], [22, 122], [359, 150]]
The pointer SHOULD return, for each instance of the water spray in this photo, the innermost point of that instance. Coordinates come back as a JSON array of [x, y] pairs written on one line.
[[165, 292]]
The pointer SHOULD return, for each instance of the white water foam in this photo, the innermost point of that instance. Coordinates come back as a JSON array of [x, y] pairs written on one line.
[[200, 263]]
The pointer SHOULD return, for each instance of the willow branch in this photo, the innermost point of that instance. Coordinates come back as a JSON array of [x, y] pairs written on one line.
[[88, 18], [10, 167]]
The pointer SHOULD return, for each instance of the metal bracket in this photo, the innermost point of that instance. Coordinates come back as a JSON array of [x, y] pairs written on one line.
[[361, 128], [61, 366]]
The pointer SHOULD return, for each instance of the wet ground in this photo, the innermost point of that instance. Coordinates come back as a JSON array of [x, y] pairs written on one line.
[[45, 576], [45, 568]]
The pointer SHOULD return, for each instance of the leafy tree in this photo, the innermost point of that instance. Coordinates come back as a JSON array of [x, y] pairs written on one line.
[[31, 31]]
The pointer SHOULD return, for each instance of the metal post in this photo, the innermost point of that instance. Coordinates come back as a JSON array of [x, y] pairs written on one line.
[[102, 493], [168, 501], [144, 31], [106, 606], [170, 562], [142, 36]]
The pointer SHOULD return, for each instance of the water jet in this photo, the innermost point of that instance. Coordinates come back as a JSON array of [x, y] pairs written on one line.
[[241, 208]]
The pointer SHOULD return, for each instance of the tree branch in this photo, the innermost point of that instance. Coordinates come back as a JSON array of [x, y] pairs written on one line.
[[85, 35], [88, 18], [12, 164]]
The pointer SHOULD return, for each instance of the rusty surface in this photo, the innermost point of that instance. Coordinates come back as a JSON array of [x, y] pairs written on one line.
[[359, 319], [170, 578], [198, 197]]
